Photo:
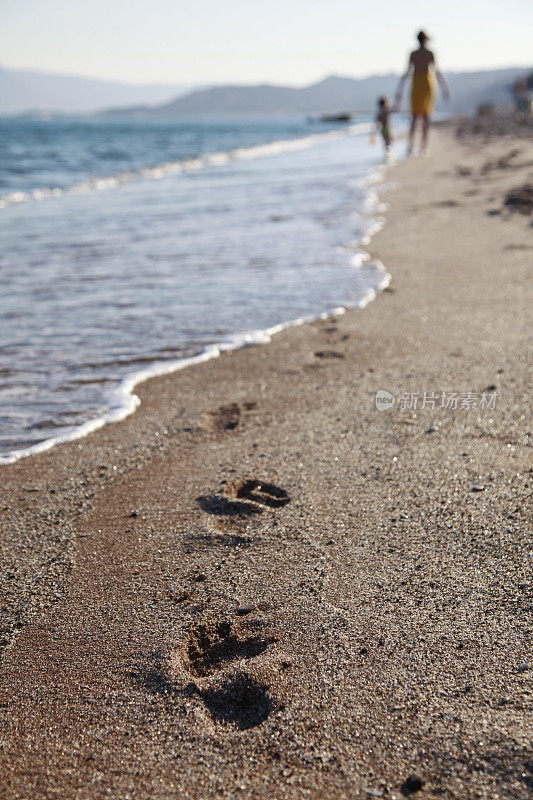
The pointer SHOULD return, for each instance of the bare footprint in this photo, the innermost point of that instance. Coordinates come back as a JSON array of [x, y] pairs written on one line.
[[243, 498], [240, 700], [224, 664], [219, 505], [260, 492], [228, 664], [210, 646], [225, 418]]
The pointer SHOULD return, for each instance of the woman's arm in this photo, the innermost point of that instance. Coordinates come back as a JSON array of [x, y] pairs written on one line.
[[443, 83]]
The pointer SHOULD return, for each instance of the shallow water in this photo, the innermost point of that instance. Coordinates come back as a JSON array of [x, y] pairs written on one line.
[[168, 258]]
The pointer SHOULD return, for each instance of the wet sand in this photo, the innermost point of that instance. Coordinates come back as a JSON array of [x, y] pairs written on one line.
[[261, 586]]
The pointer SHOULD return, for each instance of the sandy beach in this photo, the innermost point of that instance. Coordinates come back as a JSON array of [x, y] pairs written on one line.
[[259, 585]]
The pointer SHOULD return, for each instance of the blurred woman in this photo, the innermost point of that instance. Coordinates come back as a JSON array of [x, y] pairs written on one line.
[[421, 67]]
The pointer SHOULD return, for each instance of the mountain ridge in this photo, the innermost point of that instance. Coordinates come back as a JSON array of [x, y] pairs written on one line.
[[334, 93], [25, 90]]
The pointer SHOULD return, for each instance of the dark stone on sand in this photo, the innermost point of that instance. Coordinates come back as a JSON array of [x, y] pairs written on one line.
[[246, 609], [477, 488], [413, 783]]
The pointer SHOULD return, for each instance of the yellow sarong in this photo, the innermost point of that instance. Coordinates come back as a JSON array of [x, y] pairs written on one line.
[[422, 93]]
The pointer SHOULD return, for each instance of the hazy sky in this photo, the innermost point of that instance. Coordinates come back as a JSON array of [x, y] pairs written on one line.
[[245, 41]]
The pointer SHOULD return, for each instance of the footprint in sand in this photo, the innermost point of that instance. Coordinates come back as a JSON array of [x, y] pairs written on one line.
[[212, 645], [244, 498], [224, 418], [221, 661], [331, 330], [240, 701], [265, 494], [219, 505]]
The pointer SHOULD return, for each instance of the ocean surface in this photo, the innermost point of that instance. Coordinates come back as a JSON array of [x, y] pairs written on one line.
[[130, 248]]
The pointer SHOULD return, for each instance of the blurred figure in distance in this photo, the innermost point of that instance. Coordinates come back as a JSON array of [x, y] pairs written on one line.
[[421, 66], [383, 124]]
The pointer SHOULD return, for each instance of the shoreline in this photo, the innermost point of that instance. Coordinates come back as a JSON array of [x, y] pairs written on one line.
[[190, 164], [259, 584], [123, 400], [127, 386]]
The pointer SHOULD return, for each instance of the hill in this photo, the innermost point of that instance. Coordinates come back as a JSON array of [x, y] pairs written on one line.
[[25, 90], [335, 93]]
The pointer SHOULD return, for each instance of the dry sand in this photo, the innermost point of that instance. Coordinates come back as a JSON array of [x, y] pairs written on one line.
[[259, 585]]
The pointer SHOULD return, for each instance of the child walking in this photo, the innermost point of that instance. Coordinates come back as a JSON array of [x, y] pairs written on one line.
[[383, 124]]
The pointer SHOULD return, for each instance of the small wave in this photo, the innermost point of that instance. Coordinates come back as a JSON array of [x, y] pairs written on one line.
[[169, 168], [124, 401]]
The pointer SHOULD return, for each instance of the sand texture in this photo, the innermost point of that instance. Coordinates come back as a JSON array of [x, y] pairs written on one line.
[[261, 586]]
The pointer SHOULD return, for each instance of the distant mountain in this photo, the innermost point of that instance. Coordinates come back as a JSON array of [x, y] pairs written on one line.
[[333, 93], [468, 89], [27, 90]]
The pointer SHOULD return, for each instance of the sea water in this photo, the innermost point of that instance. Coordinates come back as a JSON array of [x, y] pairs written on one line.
[[131, 248]]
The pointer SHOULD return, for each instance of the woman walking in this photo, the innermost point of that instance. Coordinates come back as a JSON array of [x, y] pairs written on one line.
[[421, 67]]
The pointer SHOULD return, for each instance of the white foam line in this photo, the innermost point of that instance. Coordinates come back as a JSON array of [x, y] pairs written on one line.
[[186, 165], [126, 401]]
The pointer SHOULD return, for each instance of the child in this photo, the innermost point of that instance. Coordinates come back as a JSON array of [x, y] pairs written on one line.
[[382, 122]]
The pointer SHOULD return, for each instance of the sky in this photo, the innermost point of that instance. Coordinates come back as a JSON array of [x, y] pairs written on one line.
[[291, 42]]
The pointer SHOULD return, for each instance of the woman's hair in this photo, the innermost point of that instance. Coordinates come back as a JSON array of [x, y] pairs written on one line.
[[422, 37], [383, 101]]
